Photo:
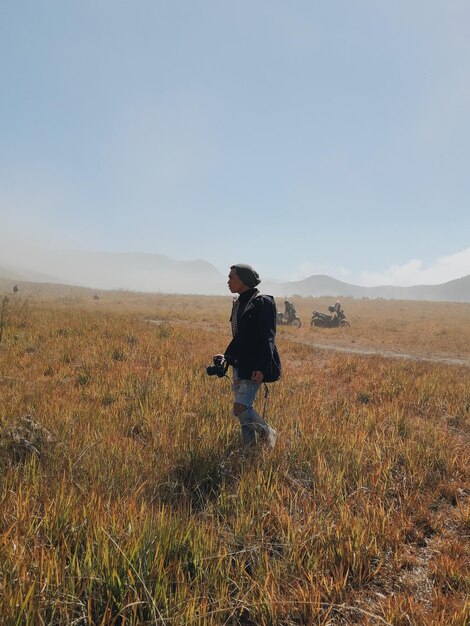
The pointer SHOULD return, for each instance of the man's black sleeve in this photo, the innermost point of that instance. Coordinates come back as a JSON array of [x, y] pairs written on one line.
[[266, 333]]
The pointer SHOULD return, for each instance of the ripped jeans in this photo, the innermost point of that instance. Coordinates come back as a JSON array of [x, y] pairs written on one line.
[[253, 426]]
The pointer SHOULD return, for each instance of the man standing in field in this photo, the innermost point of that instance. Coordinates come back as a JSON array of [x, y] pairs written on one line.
[[252, 351]]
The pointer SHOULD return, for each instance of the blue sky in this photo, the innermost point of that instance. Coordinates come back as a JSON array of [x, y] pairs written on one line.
[[301, 137]]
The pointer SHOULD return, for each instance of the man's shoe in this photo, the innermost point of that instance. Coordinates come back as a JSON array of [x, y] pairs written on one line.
[[271, 437]]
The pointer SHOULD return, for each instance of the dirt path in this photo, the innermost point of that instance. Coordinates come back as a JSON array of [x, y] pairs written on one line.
[[391, 354], [364, 351]]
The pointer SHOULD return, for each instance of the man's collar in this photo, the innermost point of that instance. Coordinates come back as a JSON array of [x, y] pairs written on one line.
[[246, 295]]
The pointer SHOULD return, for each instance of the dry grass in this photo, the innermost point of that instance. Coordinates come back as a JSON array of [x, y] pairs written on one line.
[[423, 328], [125, 501]]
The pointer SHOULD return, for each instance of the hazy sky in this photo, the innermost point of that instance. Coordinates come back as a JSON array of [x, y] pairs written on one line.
[[303, 137]]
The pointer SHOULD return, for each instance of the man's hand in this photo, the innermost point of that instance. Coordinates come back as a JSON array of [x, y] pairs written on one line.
[[257, 377]]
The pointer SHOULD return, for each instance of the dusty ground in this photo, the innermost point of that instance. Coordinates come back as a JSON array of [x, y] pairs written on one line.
[[331, 341], [392, 354]]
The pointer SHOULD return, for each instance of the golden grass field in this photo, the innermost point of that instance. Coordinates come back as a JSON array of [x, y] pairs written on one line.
[[124, 499]]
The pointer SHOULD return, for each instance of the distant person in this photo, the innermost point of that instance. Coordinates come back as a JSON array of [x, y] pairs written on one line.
[[289, 311], [16, 289], [252, 352], [338, 310]]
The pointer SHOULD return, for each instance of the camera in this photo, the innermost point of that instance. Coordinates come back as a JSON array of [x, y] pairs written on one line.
[[219, 368]]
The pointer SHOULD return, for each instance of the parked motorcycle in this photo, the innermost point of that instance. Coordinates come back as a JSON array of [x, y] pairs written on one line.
[[282, 320], [337, 318]]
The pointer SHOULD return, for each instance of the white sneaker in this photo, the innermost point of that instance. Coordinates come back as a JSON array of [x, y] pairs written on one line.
[[271, 438]]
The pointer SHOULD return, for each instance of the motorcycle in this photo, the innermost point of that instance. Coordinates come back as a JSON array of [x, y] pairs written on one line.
[[282, 320], [338, 318]]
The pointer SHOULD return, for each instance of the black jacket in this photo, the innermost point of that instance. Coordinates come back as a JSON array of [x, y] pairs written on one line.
[[253, 348]]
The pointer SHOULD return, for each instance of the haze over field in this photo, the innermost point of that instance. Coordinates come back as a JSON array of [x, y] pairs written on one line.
[[306, 138], [157, 273]]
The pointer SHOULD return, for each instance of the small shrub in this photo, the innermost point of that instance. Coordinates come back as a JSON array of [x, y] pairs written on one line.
[[24, 437], [119, 355], [83, 379]]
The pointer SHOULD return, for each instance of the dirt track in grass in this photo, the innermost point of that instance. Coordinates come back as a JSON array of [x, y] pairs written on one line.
[[347, 349], [391, 354]]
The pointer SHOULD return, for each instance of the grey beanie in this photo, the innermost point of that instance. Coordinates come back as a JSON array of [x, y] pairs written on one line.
[[247, 274]]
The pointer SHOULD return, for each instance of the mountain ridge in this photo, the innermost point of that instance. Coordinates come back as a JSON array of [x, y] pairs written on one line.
[[145, 272], [456, 290]]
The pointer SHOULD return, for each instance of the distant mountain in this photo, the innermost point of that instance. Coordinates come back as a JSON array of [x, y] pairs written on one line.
[[320, 285], [21, 274], [159, 273], [132, 271], [140, 272]]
